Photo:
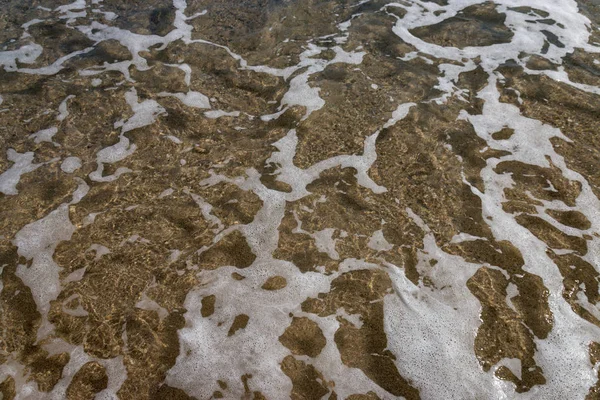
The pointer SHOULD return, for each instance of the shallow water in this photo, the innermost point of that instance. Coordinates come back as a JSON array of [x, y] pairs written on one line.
[[271, 199]]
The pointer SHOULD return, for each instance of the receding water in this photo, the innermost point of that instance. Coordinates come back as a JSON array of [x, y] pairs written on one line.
[[272, 199]]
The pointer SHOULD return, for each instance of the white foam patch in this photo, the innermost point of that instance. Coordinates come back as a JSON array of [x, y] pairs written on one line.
[[208, 353], [445, 320], [299, 178], [22, 164], [206, 209], [28, 389], [465, 237], [166, 193], [190, 99], [108, 15], [90, 218], [44, 135], [206, 350], [146, 303], [187, 70], [348, 381], [565, 349], [68, 12], [323, 239], [26, 55], [145, 112], [300, 93], [71, 164], [75, 276], [429, 330], [112, 154], [56, 66], [79, 311], [137, 43], [527, 38], [379, 243], [214, 114], [325, 243], [27, 24], [63, 112], [174, 139], [37, 242], [270, 117]]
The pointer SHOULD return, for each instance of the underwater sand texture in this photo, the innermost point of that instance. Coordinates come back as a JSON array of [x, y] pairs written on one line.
[[285, 199]]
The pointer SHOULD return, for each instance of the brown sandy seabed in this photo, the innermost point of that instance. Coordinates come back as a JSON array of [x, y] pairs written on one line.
[[197, 230]]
